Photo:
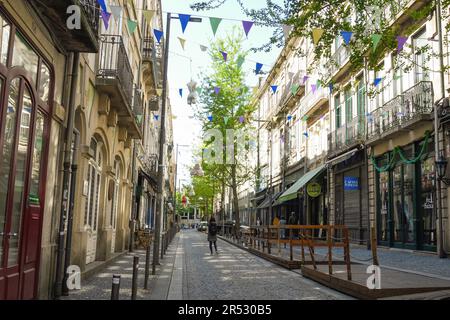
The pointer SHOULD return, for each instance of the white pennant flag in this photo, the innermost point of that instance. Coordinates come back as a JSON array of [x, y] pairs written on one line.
[[286, 30], [182, 42], [116, 12], [203, 48]]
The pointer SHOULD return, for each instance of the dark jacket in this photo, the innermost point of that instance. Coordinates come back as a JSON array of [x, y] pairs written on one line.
[[212, 237]]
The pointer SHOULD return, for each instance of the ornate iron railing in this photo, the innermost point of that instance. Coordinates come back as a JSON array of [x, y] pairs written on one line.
[[349, 134], [337, 59], [115, 65], [91, 9], [148, 49], [312, 98], [413, 103]]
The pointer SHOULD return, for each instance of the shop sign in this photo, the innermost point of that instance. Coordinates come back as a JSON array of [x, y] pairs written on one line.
[[351, 183], [314, 189]]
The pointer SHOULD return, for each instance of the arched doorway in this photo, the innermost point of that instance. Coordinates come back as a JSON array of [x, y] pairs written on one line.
[[116, 202], [26, 88]]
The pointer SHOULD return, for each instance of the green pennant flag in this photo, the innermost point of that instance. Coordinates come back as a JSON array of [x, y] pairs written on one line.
[[240, 61], [294, 89], [199, 90], [215, 24], [131, 26], [375, 40], [226, 119]]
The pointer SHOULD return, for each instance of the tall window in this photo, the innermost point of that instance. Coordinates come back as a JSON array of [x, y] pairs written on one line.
[[94, 178], [421, 57], [348, 106], [337, 103]]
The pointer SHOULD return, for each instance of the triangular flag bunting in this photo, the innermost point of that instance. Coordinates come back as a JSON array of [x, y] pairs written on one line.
[[105, 17], [182, 42], [306, 134], [181, 92], [224, 55], [313, 88], [294, 89], [289, 118], [401, 43], [330, 86], [375, 40], [156, 117], [216, 90], [159, 92], [240, 61], [274, 88], [317, 34], [148, 15], [215, 24], [305, 78], [377, 81], [226, 119], [247, 26], [258, 67], [241, 119], [116, 12], [158, 34], [203, 48], [131, 26], [102, 5], [184, 19], [199, 90], [210, 118], [347, 36], [286, 31]]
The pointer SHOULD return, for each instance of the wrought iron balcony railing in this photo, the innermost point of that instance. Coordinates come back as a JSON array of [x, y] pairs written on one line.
[[348, 135], [54, 15], [412, 105], [148, 49], [114, 65], [312, 99], [338, 59]]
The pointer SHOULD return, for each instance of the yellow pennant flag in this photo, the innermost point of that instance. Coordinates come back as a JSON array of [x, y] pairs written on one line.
[[182, 42], [317, 34], [148, 15], [159, 92]]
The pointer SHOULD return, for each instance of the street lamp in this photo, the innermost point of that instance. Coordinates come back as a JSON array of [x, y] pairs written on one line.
[[441, 168], [162, 141]]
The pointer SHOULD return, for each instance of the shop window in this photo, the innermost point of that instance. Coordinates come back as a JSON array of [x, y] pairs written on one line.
[[24, 56], [383, 196]]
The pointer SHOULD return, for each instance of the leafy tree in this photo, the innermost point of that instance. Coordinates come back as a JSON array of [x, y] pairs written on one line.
[[227, 108]]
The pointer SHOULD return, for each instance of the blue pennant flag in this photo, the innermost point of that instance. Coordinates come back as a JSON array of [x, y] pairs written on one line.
[[258, 67], [158, 34], [210, 118], [184, 19], [289, 118], [347, 36], [156, 117], [377, 81], [331, 87], [181, 92], [102, 5], [274, 88]]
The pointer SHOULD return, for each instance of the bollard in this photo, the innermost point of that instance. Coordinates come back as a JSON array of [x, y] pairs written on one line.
[[135, 277], [115, 287], [147, 267]]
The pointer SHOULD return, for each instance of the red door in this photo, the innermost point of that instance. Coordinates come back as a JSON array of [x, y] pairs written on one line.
[[21, 197]]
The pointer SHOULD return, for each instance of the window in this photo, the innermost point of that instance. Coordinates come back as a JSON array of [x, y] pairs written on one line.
[[421, 57], [337, 104], [94, 181], [5, 32], [24, 56], [348, 106]]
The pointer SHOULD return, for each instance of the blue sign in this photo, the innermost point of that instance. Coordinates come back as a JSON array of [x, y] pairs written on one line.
[[351, 183]]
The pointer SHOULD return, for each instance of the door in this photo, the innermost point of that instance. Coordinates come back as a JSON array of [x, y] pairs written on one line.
[[93, 202], [20, 193]]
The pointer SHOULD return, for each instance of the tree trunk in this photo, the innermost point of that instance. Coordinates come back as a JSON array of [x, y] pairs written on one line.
[[235, 199]]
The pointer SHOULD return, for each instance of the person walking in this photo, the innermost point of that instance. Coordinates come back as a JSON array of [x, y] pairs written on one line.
[[212, 235]]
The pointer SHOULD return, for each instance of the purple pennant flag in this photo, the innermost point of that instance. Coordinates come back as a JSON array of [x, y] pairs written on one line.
[[313, 88], [224, 55], [247, 26], [184, 19], [258, 67], [241, 119], [216, 90], [401, 42], [105, 17], [305, 78]]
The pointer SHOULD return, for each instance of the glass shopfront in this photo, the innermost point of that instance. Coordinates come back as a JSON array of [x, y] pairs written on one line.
[[405, 185]]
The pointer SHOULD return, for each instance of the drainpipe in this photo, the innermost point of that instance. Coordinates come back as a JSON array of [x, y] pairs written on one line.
[[366, 161], [65, 290], [66, 176]]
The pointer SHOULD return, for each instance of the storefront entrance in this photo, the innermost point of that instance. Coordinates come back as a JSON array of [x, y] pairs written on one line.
[[406, 211], [25, 87]]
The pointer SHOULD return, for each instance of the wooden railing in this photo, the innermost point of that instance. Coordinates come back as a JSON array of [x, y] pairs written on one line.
[[263, 238]]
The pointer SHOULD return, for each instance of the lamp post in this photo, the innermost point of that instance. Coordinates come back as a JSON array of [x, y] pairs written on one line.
[[162, 141]]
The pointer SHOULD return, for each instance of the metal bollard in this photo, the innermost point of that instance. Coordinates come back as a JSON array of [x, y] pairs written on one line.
[[115, 287], [147, 267], [135, 277]]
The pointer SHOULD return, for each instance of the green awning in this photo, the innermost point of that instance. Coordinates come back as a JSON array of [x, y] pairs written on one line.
[[291, 193]]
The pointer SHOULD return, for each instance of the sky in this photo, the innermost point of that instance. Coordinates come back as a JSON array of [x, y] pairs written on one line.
[[186, 65]]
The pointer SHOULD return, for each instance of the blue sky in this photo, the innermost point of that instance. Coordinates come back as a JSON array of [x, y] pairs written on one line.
[[187, 64]]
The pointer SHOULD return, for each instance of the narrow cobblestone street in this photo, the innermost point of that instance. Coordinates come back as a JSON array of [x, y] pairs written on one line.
[[190, 272]]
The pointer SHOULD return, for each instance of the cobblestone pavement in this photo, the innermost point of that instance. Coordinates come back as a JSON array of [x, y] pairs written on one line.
[[239, 275]]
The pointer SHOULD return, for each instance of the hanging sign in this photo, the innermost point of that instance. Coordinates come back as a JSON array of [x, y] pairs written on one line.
[[351, 183], [314, 189]]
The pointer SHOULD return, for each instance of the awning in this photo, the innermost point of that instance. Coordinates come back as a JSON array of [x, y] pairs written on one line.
[[266, 202], [291, 193], [342, 157]]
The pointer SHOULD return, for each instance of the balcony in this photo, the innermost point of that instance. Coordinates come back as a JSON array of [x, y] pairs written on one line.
[[404, 112], [152, 57], [150, 166], [339, 63], [288, 99], [115, 79], [138, 107], [346, 137], [313, 101], [54, 15], [401, 14]]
